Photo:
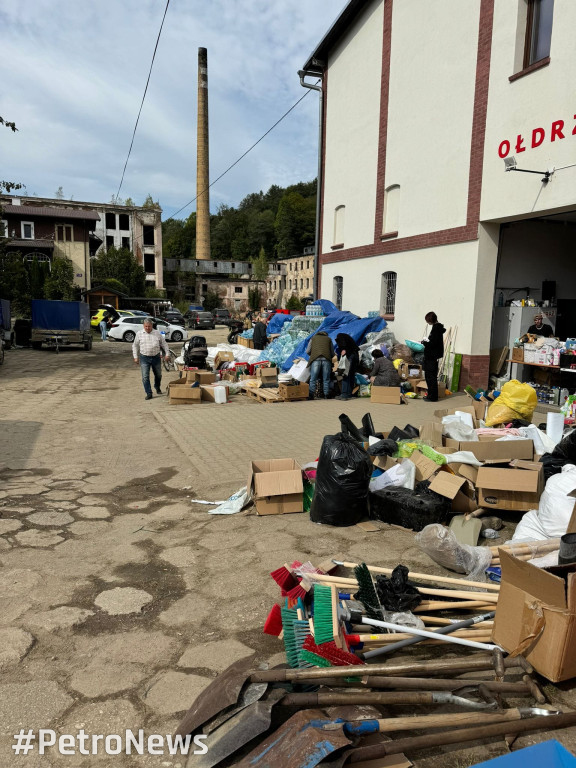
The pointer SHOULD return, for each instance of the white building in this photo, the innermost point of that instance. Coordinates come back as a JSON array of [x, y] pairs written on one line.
[[423, 102]]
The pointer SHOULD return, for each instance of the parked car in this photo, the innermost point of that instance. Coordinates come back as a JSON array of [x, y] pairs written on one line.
[[138, 312], [126, 328], [96, 318], [174, 317], [198, 320], [221, 316]]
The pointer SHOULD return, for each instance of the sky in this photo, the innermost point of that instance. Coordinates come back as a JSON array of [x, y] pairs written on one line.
[[73, 74]]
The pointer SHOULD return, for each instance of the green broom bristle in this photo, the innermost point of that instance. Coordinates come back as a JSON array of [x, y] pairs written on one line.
[[323, 617], [289, 617], [314, 659], [367, 594]]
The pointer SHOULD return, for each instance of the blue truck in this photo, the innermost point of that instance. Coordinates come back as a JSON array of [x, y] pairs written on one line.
[[60, 323]]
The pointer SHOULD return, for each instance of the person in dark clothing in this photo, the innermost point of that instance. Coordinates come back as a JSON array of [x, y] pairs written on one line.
[[259, 336], [321, 352], [433, 349], [383, 373], [540, 328], [347, 346]]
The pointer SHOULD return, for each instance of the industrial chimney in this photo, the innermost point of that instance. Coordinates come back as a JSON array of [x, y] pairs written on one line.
[[202, 162]]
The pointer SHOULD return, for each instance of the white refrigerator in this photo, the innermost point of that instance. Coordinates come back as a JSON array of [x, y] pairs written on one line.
[[509, 323]]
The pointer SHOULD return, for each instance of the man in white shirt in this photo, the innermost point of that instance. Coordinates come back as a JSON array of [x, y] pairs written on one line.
[[146, 349]]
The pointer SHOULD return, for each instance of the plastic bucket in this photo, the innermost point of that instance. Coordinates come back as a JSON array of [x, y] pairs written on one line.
[[567, 551]]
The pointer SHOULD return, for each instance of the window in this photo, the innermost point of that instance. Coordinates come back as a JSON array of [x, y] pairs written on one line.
[[538, 30], [308, 264], [233, 265], [38, 256], [64, 233], [126, 243], [237, 289], [338, 287], [301, 283], [215, 264], [274, 284], [290, 266], [204, 287], [289, 284], [301, 265], [149, 263], [148, 235], [307, 282], [339, 212], [109, 241], [391, 210], [388, 294], [123, 221], [110, 221], [27, 230], [3, 228]]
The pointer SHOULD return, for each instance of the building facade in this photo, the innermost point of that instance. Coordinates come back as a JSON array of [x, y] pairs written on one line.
[[291, 277], [231, 280], [423, 104], [136, 228]]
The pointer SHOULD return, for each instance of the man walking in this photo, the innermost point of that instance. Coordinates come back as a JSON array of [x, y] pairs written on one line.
[[321, 352], [104, 326], [148, 345]]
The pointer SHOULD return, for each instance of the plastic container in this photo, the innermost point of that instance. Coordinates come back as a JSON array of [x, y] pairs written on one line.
[[567, 550], [219, 395]]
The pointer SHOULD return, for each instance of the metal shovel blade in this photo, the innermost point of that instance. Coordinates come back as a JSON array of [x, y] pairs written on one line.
[[237, 731], [467, 530]]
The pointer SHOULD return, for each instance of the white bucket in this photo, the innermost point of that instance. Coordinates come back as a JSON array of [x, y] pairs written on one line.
[[555, 426]]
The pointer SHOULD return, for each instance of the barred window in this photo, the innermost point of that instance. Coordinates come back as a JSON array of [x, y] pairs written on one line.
[[388, 294], [338, 287]]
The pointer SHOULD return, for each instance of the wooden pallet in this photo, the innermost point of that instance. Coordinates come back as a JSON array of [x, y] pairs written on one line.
[[263, 395]]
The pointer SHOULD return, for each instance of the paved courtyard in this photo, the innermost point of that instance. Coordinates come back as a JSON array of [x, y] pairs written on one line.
[[121, 600]]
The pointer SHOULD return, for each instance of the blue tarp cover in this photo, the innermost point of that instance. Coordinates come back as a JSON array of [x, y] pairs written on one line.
[[548, 754], [339, 322], [276, 323], [327, 306], [60, 315]]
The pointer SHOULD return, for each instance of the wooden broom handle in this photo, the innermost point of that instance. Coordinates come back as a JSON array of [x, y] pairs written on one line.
[[429, 577]]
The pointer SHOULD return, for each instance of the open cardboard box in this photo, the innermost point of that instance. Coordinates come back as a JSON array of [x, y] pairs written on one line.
[[488, 447], [209, 391], [293, 391], [422, 387], [536, 615], [387, 395], [268, 377], [204, 377], [276, 486], [517, 487], [224, 356], [181, 392], [469, 409]]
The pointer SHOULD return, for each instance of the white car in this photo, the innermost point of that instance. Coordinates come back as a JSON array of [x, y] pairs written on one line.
[[126, 328]]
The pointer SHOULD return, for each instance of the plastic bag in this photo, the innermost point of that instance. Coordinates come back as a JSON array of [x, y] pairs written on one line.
[[456, 429], [395, 593], [342, 479], [401, 351], [234, 504], [516, 401], [415, 346], [384, 447], [441, 545], [400, 475], [407, 447], [556, 506]]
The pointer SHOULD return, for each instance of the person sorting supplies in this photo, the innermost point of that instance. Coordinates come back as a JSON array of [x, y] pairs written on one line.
[[146, 349]]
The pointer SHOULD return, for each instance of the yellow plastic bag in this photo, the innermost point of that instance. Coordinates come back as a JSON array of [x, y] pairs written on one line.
[[516, 401], [397, 363]]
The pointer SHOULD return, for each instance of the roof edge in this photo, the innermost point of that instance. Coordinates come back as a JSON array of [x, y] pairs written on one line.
[[346, 17]]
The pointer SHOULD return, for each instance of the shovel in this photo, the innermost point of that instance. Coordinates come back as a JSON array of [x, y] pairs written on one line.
[[466, 528]]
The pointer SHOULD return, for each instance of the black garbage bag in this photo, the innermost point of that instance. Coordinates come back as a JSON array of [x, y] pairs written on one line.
[[412, 431], [349, 428], [399, 434], [563, 453], [385, 447], [395, 593], [411, 509], [342, 478], [552, 464]]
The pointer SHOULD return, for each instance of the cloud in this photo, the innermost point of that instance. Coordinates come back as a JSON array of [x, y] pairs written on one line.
[[73, 82]]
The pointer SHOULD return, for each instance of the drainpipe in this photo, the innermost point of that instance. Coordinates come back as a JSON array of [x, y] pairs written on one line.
[[305, 73]]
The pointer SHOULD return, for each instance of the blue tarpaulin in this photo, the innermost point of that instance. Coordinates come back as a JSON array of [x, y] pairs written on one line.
[[335, 323], [277, 321], [60, 315], [548, 754], [327, 306]]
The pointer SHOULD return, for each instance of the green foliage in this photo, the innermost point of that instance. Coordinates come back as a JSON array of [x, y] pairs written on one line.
[[59, 283], [8, 186], [181, 306], [149, 203], [153, 293], [116, 285], [211, 301], [260, 266], [12, 126], [120, 264], [38, 272], [179, 238], [129, 201], [294, 303], [14, 282], [295, 224], [59, 194], [254, 298]]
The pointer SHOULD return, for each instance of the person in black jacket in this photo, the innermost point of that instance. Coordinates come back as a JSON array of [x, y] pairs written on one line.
[[259, 337], [347, 346], [433, 349]]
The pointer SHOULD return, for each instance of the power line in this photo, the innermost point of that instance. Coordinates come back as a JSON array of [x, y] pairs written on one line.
[[243, 155], [143, 97]]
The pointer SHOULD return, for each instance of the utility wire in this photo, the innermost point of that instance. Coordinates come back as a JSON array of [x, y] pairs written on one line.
[[242, 156], [143, 97]]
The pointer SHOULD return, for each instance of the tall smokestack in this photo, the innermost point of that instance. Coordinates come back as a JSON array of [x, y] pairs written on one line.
[[202, 162]]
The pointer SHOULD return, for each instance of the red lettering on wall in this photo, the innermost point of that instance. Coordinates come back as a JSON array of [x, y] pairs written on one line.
[[504, 148], [574, 129], [538, 135], [520, 144], [557, 126]]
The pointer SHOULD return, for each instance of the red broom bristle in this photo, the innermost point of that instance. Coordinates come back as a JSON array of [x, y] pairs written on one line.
[[273, 623], [284, 578], [295, 593], [332, 653]]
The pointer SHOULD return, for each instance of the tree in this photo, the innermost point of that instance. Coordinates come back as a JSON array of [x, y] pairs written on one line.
[[59, 194], [59, 283], [8, 186], [14, 281], [294, 303], [129, 202], [260, 266], [295, 224], [149, 203], [38, 272], [120, 264], [211, 301], [254, 298], [153, 293]]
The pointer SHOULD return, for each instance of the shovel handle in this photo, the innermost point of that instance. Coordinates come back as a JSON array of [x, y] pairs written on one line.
[[413, 722]]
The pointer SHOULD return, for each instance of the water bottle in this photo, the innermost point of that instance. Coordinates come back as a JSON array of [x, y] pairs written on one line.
[[490, 533]]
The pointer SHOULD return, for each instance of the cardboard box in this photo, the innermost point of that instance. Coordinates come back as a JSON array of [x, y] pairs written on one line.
[[181, 392], [536, 616], [293, 391], [388, 395], [447, 484], [489, 448], [479, 406], [422, 387], [246, 342], [431, 433], [516, 488], [408, 371], [268, 377], [425, 467], [276, 486], [204, 377], [223, 357], [530, 352], [518, 354], [469, 409], [209, 394]]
